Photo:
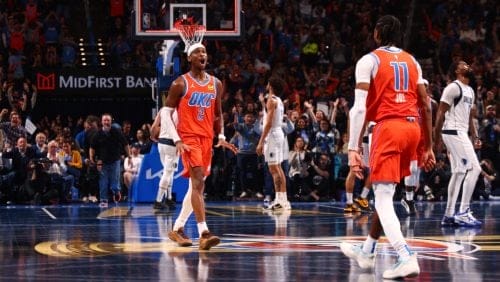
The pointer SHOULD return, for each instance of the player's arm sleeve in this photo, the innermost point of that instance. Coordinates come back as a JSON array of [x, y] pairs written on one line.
[[356, 118], [365, 69], [171, 128]]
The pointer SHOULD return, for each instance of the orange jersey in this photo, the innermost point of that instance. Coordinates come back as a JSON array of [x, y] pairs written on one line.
[[393, 90], [196, 109]]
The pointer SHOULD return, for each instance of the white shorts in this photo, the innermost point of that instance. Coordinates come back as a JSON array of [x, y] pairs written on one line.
[[461, 152], [273, 147], [413, 179], [168, 156]]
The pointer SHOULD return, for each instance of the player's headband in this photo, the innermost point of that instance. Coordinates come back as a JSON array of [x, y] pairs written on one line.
[[194, 47]]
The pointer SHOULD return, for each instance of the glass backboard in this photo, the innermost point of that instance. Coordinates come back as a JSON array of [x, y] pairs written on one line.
[[156, 18]]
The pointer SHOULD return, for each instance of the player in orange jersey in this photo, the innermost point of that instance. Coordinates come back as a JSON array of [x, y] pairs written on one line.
[[389, 91], [196, 96]]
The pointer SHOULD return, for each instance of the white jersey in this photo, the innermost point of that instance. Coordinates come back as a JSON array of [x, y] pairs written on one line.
[[457, 117], [277, 121], [163, 121], [275, 140]]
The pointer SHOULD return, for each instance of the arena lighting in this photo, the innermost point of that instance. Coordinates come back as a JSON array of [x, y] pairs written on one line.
[[82, 53], [103, 63], [101, 54], [80, 44], [84, 64], [82, 49], [99, 49], [84, 59]]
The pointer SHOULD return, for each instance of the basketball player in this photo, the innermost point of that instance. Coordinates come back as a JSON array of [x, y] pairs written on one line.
[[196, 96], [412, 180], [362, 203], [453, 123], [168, 157], [271, 142], [389, 90]]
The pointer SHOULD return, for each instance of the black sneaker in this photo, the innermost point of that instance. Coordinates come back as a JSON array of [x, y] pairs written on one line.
[[409, 206], [159, 206], [170, 203]]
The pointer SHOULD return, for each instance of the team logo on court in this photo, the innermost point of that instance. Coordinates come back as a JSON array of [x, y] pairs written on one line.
[[427, 248]]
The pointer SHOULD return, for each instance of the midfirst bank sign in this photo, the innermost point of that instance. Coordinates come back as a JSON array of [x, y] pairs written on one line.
[[91, 82]]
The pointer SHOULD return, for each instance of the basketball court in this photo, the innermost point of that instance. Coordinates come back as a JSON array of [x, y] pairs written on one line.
[[128, 242], [82, 242]]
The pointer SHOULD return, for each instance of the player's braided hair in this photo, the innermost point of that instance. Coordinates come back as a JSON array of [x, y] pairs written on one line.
[[389, 30]]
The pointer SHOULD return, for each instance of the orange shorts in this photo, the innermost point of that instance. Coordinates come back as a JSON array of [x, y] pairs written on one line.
[[199, 155], [394, 145]]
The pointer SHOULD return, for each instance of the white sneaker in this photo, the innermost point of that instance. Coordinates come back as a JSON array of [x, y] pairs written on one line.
[[277, 206], [466, 219], [403, 268], [85, 199], [364, 260]]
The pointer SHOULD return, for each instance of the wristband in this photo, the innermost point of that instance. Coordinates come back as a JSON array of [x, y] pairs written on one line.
[[221, 136]]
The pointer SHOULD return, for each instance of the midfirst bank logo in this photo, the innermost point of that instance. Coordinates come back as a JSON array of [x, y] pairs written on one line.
[[52, 81]]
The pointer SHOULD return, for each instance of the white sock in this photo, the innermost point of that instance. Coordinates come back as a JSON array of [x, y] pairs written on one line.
[[169, 192], [384, 193], [453, 191], [159, 195], [202, 227], [186, 210], [364, 193], [369, 245], [409, 195], [348, 197], [468, 189], [281, 196]]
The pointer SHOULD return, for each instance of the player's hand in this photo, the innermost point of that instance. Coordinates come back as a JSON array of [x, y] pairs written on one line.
[[355, 163], [259, 149], [428, 160], [181, 147], [227, 145]]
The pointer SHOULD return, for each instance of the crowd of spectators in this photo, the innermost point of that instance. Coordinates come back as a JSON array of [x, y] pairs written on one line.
[[312, 44]]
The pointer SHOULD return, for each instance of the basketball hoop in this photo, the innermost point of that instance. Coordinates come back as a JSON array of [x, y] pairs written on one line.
[[190, 34]]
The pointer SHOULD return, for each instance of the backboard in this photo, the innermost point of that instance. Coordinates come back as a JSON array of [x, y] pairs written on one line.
[[155, 19]]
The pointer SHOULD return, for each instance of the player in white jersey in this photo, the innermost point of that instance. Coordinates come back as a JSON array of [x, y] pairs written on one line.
[[272, 140], [168, 156], [453, 124]]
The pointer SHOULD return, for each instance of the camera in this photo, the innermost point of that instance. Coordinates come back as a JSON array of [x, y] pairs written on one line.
[[38, 163], [42, 161]]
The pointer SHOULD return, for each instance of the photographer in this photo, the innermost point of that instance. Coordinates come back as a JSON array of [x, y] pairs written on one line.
[[436, 180], [300, 160], [40, 184], [319, 179], [485, 181]]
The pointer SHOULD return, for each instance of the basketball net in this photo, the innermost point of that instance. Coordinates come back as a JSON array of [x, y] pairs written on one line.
[[190, 33]]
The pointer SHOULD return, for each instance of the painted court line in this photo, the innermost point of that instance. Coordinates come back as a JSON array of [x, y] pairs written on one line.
[[48, 213]]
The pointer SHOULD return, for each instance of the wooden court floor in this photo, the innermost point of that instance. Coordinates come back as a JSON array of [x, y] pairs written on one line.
[[82, 242]]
